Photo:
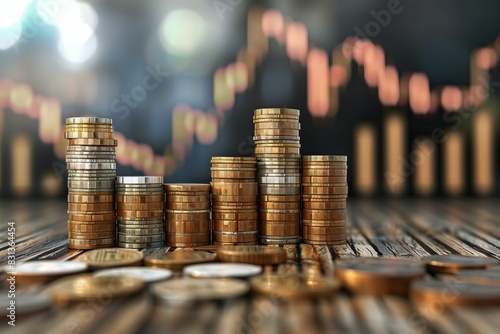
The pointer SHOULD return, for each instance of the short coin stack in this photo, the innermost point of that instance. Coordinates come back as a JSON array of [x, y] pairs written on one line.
[[235, 212], [277, 148], [140, 201], [91, 163], [187, 215], [324, 194]]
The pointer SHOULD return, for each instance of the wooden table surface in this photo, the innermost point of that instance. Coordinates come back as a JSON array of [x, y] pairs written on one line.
[[386, 228]]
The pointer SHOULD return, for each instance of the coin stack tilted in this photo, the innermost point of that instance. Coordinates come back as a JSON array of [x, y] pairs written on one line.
[[187, 215], [235, 212], [91, 163], [277, 149], [324, 194], [140, 201]]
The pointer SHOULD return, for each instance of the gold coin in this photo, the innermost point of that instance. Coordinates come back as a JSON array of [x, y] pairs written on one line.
[[322, 158], [237, 175], [93, 135], [260, 255], [294, 286], [378, 276], [178, 260], [233, 160], [111, 257], [453, 263], [181, 187], [88, 287], [277, 125], [277, 111], [92, 142]]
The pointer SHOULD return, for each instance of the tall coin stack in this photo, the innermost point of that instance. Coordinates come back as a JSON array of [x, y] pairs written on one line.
[[139, 201], [187, 215], [91, 163], [324, 194], [235, 213], [277, 149]]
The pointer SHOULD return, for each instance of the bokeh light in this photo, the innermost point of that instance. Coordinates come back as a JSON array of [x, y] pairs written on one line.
[[9, 36], [11, 11], [182, 32]]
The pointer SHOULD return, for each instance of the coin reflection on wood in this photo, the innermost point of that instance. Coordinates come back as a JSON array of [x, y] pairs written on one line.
[[91, 163]]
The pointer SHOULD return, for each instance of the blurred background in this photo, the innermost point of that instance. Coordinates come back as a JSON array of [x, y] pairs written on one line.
[[407, 89]]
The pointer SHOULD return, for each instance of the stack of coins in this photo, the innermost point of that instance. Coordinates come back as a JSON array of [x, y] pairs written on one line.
[[91, 163], [324, 194], [277, 149], [235, 212], [140, 202], [187, 214]]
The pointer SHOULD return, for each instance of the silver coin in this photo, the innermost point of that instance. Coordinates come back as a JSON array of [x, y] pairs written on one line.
[[141, 245], [50, 268], [84, 148], [291, 138], [86, 161], [139, 179], [25, 303], [89, 120], [324, 158], [279, 179], [92, 190], [90, 166], [222, 270], [140, 231], [140, 238], [192, 289], [145, 274], [264, 240], [91, 184]]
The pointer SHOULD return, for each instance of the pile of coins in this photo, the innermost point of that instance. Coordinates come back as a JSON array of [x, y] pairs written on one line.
[[277, 149], [187, 214], [91, 163], [140, 201], [235, 212], [324, 194]]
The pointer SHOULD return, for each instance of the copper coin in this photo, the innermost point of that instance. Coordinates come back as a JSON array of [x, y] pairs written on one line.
[[92, 142], [279, 206], [378, 275], [75, 227], [316, 172], [140, 214], [139, 198], [324, 190], [260, 255], [277, 125], [84, 217], [239, 199], [187, 206], [453, 263], [238, 189], [323, 215], [324, 179], [279, 216], [223, 236], [84, 207], [91, 235], [188, 226], [178, 260], [339, 242], [88, 134], [233, 160], [188, 199], [324, 158], [186, 216], [323, 223], [91, 244], [235, 216], [266, 240], [279, 228], [78, 198], [151, 206], [328, 205], [235, 226], [174, 238], [236, 175], [276, 111], [279, 198]]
